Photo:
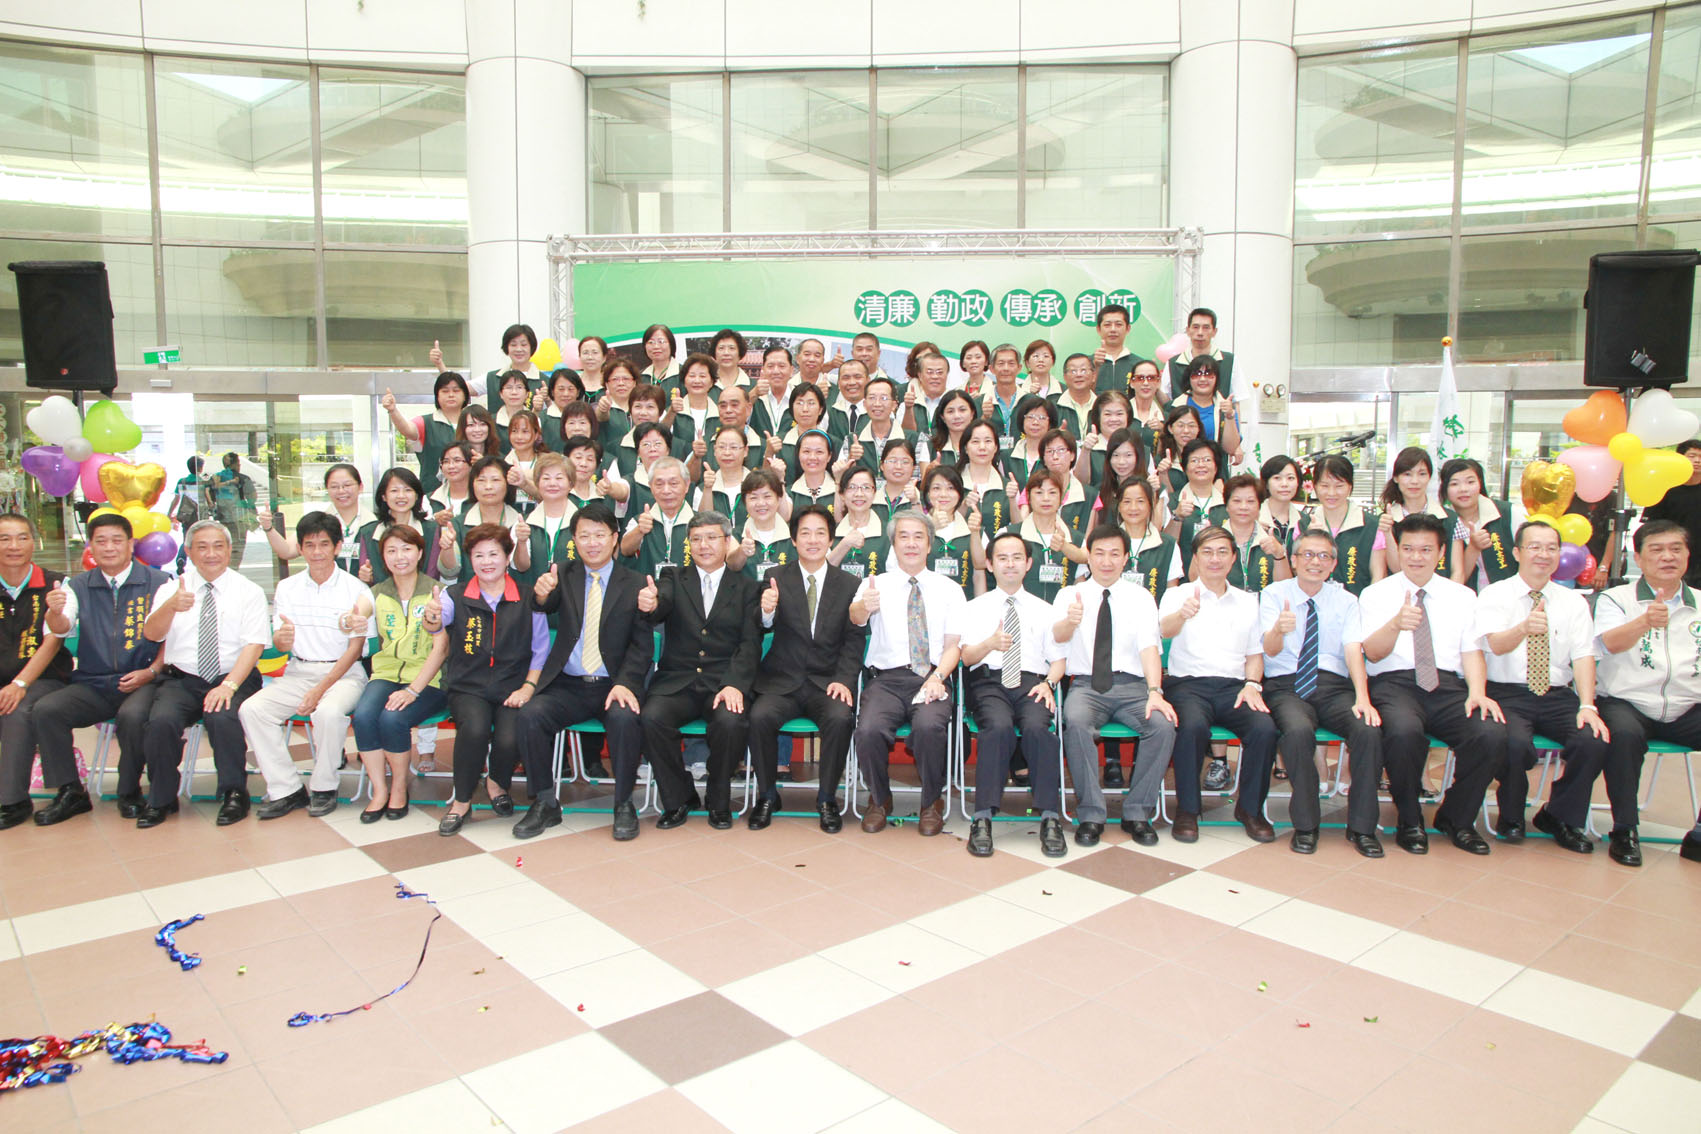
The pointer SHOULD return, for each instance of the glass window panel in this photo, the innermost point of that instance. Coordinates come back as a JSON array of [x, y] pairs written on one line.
[[1521, 295], [947, 149], [235, 150], [73, 142], [1375, 141], [800, 152], [241, 307], [1674, 180], [1682, 235], [1485, 431], [394, 152], [1555, 123], [655, 154], [1369, 303], [1316, 428], [385, 308], [1098, 147], [129, 276]]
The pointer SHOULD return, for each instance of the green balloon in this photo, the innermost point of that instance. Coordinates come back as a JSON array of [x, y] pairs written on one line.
[[108, 430]]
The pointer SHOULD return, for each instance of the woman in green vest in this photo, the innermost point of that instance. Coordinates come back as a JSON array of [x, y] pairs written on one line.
[[653, 442], [1035, 417], [951, 419], [813, 483], [1154, 562], [454, 483], [898, 489], [1124, 461], [398, 503], [861, 547], [1146, 410], [807, 411], [620, 379], [722, 489], [478, 430], [593, 356], [565, 389], [430, 435], [1110, 414], [1259, 558], [1357, 562], [990, 489], [1279, 514], [1058, 451], [1405, 494], [764, 542], [549, 527], [959, 552], [493, 503], [519, 343], [1051, 547], [660, 350], [1485, 526], [1182, 427], [1197, 503], [515, 395]]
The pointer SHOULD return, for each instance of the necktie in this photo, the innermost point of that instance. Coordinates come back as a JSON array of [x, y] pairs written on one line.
[[591, 654], [1012, 656], [1423, 651], [1537, 654], [853, 420], [708, 594], [207, 643], [809, 597], [917, 621], [1305, 676], [1101, 648]]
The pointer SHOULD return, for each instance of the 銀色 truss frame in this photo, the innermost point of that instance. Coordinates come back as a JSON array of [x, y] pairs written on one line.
[[1183, 245]]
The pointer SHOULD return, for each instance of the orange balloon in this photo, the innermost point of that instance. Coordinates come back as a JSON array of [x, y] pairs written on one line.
[[1598, 420]]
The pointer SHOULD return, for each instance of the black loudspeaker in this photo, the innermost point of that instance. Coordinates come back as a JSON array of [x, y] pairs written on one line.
[[65, 308], [1639, 305]]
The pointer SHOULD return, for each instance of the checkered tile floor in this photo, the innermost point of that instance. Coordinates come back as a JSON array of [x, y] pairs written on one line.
[[791, 981]]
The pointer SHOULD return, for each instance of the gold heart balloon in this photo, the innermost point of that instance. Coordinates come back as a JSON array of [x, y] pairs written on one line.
[[127, 484], [1548, 487]]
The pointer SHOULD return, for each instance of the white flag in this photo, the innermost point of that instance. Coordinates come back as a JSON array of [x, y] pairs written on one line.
[[1447, 429]]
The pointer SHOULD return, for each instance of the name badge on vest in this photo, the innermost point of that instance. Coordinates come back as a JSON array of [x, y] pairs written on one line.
[[857, 569], [1006, 442], [1133, 576], [946, 566], [1051, 573], [764, 567]]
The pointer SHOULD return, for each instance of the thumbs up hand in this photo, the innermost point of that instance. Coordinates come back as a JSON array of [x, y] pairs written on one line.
[[1409, 615], [870, 596], [433, 610], [284, 636], [1657, 614], [771, 596], [183, 600], [1285, 621], [388, 401], [436, 355], [546, 583], [647, 596], [56, 598], [1077, 610], [1481, 538], [1190, 607], [1536, 623]]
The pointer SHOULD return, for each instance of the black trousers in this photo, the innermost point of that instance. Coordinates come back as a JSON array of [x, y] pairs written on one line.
[[1409, 717], [1631, 730], [486, 732], [1000, 714], [17, 744], [176, 706], [567, 701], [1330, 706], [1201, 703], [887, 696], [79, 706], [728, 735], [1554, 715], [833, 717]]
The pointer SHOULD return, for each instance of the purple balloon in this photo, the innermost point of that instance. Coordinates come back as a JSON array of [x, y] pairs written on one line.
[[156, 549], [1572, 557], [49, 465]]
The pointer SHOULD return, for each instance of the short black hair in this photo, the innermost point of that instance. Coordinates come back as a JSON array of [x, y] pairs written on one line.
[[319, 523], [728, 333], [596, 512], [1421, 522], [110, 520], [1206, 312], [785, 350], [1658, 528], [1110, 309], [1007, 533], [797, 517], [515, 332], [450, 378], [1108, 531], [1333, 465], [1684, 448], [1523, 529]]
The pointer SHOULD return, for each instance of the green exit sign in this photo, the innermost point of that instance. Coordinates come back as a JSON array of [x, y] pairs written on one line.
[[161, 354]]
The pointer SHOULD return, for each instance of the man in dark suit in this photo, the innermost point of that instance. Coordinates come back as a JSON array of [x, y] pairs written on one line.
[[594, 671], [711, 621], [810, 668]]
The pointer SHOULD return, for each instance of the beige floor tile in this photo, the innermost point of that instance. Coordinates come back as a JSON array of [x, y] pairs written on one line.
[[787, 1089]]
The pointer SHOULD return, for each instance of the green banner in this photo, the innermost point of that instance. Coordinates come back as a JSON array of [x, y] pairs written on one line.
[[903, 299]]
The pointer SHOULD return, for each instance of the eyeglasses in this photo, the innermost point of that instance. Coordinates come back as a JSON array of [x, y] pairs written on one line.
[[1314, 556]]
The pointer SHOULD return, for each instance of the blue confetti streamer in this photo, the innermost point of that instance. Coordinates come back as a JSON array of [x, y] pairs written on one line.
[[302, 1019], [166, 939], [47, 1059]]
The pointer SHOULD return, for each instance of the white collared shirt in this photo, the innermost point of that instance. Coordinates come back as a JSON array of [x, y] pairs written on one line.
[[1335, 606], [710, 582], [241, 620], [1217, 641], [1452, 621], [73, 608], [888, 627], [1133, 623], [1570, 629], [316, 609], [983, 616]]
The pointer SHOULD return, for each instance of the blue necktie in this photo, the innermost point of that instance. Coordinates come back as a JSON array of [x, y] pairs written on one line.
[[1305, 677]]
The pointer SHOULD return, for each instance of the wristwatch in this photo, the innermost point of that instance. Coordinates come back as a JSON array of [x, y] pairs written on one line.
[[1258, 685]]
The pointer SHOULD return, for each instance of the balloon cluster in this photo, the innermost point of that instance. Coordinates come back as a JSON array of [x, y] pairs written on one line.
[[83, 449]]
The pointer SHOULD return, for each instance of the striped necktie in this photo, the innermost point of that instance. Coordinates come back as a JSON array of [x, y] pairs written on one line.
[[1013, 655], [1423, 651], [1305, 676], [207, 642], [916, 623], [591, 654]]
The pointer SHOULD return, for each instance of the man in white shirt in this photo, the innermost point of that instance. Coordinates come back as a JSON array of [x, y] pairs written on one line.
[[1427, 677], [212, 622], [1014, 666], [1108, 626], [1216, 673], [1538, 643], [912, 654], [1311, 679], [322, 620], [1649, 639]]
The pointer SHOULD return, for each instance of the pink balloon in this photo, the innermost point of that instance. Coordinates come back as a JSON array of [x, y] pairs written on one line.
[[91, 477], [570, 354], [1177, 344], [1597, 471]]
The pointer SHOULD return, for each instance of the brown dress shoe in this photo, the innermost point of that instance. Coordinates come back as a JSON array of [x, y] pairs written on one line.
[[874, 819], [1258, 828], [1184, 828], [931, 821]]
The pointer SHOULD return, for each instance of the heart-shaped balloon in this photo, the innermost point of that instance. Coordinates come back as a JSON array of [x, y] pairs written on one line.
[[49, 465], [91, 477], [1176, 344], [128, 484], [1597, 420], [1659, 421], [55, 420], [1649, 473], [1548, 487], [1597, 471], [108, 430]]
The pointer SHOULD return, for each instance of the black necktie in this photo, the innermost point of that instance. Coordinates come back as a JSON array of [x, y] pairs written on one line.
[[1102, 647]]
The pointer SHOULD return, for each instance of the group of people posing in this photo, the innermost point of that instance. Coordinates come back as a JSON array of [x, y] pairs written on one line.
[[821, 540]]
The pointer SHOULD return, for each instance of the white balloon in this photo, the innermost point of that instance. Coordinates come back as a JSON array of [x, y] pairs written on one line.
[[1656, 418], [79, 449], [55, 420]]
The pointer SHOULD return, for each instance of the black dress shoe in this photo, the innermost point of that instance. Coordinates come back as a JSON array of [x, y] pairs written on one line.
[[278, 808], [1625, 848], [321, 803], [1113, 774], [1465, 838], [1141, 831], [502, 805], [595, 771], [1574, 839], [1368, 845], [1412, 840], [676, 817], [1087, 834], [1510, 830], [72, 799], [1690, 847], [152, 816], [11, 814], [539, 817], [130, 806], [625, 822], [398, 812], [761, 815], [980, 838], [374, 816], [451, 823], [233, 807], [1303, 842], [832, 822], [720, 818], [1052, 843], [1019, 778]]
